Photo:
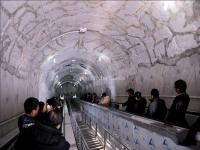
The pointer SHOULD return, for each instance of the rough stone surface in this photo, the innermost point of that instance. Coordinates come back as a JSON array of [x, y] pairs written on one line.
[[138, 43]]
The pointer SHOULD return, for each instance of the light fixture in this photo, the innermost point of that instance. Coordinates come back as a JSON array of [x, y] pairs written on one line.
[[73, 60], [103, 57], [50, 57], [62, 97], [169, 5], [82, 30], [54, 60]]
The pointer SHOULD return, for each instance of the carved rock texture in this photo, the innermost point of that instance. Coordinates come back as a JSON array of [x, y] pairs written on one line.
[[135, 44]]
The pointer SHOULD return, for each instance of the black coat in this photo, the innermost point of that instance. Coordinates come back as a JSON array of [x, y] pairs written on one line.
[[41, 137], [129, 104], [139, 106], [157, 109], [178, 109]]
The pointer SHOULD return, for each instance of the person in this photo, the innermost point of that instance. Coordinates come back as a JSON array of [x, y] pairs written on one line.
[[140, 104], [130, 102], [26, 123], [190, 138], [43, 137], [157, 109], [84, 97], [31, 108], [179, 106], [105, 100], [53, 104], [94, 98], [50, 104], [42, 113], [89, 97], [49, 137]]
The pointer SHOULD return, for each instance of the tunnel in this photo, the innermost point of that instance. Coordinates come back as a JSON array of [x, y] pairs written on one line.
[[68, 48]]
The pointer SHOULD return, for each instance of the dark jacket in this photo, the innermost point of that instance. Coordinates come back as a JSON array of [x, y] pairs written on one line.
[[129, 104], [41, 137], [139, 106], [25, 121], [157, 109], [178, 109], [43, 117]]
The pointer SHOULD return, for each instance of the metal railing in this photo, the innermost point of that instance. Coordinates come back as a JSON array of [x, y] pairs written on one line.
[[108, 140], [10, 119], [80, 140], [7, 141]]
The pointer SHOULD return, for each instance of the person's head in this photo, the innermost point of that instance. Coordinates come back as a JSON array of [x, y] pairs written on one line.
[[155, 93], [130, 92], [55, 119], [31, 106], [180, 86], [103, 94], [51, 104], [42, 107], [138, 95]]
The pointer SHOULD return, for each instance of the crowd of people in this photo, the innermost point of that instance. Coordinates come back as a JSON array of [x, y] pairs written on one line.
[[156, 108], [40, 126], [104, 100]]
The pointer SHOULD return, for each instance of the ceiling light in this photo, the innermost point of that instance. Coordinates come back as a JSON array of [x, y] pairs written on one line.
[[82, 30], [169, 5], [103, 57], [54, 60], [50, 57]]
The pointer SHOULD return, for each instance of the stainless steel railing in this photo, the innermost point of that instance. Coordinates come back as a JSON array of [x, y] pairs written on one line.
[[10, 119], [80, 141], [7, 140], [108, 140]]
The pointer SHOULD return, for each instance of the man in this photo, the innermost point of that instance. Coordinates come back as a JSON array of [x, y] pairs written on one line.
[[26, 123], [49, 137], [31, 107], [180, 104], [37, 136], [157, 108], [140, 104], [130, 102]]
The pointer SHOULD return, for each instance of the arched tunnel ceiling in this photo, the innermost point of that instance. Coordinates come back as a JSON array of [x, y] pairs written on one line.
[[72, 71], [121, 36]]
